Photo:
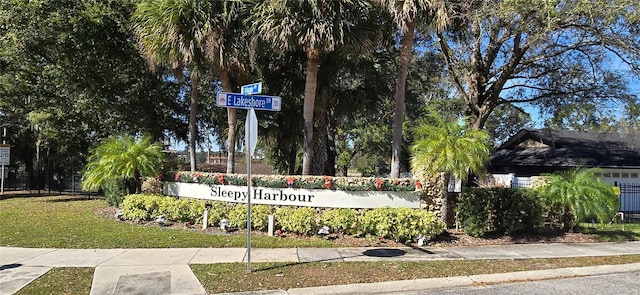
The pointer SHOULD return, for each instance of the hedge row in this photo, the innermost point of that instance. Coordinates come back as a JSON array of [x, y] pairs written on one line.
[[505, 211], [399, 224]]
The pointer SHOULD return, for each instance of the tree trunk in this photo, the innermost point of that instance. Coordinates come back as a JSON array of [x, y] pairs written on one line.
[[307, 109], [232, 118], [398, 117], [444, 209], [330, 165], [320, 134], [193, 112]]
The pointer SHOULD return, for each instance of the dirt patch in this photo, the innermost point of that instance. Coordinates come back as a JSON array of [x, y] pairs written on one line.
[[450, 238]]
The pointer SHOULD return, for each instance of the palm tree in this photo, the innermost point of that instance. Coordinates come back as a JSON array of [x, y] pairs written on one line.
[[581, 194], [405, 15], [316, 27], [227, 49], [123, 158], [449, 147], [172, 33]]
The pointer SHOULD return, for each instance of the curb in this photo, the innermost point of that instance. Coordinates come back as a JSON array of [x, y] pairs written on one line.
[[453, 282]]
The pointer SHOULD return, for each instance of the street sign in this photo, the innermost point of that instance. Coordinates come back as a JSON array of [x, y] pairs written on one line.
[[255, 88], [5, 152], [251, 132], [244, 101]]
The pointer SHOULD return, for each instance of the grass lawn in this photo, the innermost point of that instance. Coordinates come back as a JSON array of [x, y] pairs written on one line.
[[71, 222], [66, 222], [232, 277], [67, 280]]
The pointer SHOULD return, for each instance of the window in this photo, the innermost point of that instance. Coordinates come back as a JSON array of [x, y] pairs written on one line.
[[634, 175], [615, 174], [625, 175]]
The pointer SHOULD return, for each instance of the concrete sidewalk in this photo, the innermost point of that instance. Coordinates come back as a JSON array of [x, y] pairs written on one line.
[[166, 271]]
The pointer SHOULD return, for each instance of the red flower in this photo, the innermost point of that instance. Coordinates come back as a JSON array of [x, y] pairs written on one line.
[[327, 182], [290, 181], [418, 185], [160, 176], [177, 178], [379, 183], [197, 175], [221, 178]]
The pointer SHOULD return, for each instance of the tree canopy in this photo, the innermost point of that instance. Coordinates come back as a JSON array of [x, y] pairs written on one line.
[[355, 76]]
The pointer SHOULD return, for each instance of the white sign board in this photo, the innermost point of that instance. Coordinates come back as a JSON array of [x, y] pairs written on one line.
[[5, 152], [294, 196]]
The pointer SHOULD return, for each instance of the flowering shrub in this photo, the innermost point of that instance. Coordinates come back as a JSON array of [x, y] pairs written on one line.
[[304, 182], [399, 224]]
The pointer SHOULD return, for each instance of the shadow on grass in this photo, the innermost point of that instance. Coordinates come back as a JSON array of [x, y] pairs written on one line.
[[613, 235], [63, 196], [70, 198]]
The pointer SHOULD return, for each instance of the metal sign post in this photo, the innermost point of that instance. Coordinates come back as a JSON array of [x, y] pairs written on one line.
[[247, 100], [251, 135], [5, 157]]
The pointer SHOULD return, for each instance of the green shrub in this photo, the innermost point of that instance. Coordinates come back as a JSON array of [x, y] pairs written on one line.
[[114, 192], [377, 222], [238, 216], [300, 220], [411, 223], [500, 210], [260, 216], [401, 224], [174, 209], [341, 220], [196, 211], [134, 207], [148, 207], [218, 211]]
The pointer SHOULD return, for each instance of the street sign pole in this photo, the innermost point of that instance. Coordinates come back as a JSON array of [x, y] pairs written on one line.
[[251, 135], [248, 135], [250, 101], [5, 158]]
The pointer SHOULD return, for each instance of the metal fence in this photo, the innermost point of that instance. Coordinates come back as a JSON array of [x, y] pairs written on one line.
[[23, 181], [629, 198]]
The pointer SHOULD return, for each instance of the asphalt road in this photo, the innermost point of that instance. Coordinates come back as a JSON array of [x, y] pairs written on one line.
[[619, 284]]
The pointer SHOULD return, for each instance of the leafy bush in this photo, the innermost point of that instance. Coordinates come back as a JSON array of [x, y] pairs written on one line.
[[148, 206], [114, 192], [341, 220], [238, 216], [300, 220], [401, 224], [377, 222], [411, 223], [134, 207], [218, 211], [500, 210], [581, 194], [174, 209], [196, 211], [260, 216]]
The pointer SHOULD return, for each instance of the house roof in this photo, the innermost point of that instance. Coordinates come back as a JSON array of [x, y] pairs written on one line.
[[535, 147]]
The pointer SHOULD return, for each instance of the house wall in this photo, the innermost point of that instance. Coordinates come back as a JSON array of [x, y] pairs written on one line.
[[617, 176]]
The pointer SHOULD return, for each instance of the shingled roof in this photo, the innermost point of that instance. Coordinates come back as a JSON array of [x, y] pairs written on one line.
[[554, 148]]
